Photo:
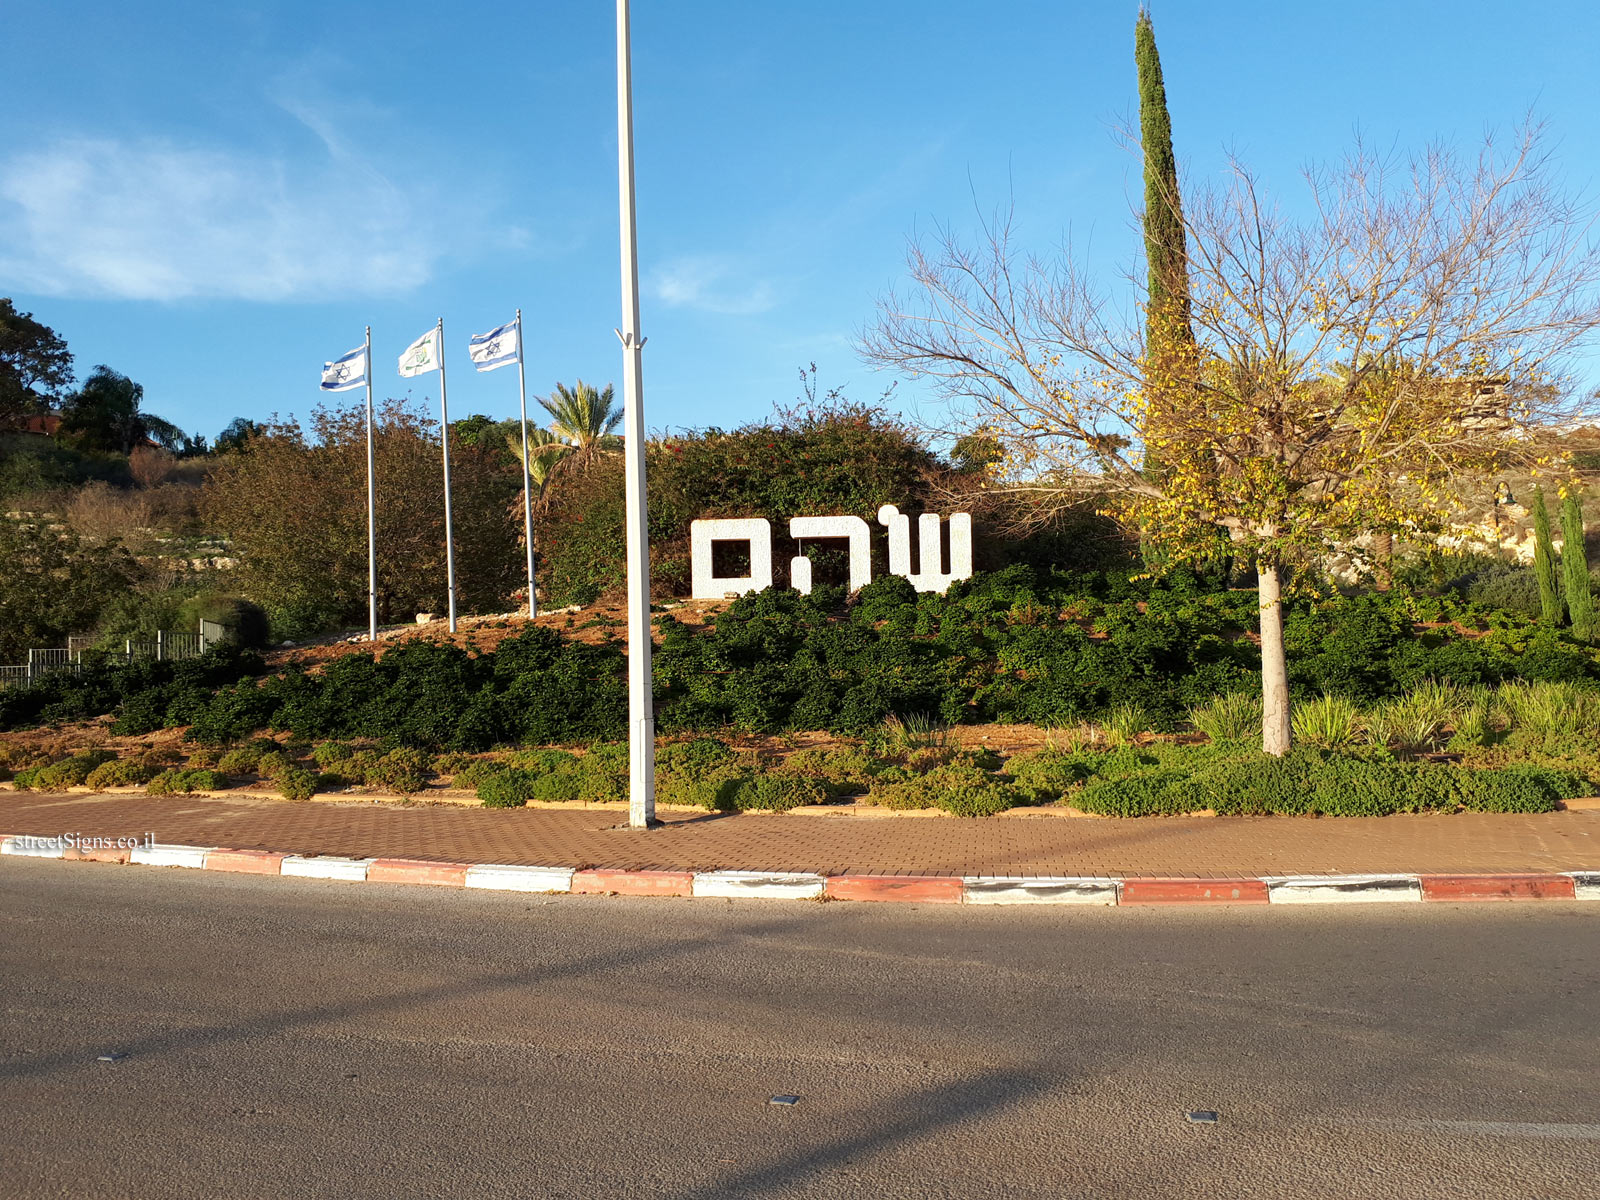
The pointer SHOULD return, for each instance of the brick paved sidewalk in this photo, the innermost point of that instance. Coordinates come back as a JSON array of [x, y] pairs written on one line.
[[1187, 847]]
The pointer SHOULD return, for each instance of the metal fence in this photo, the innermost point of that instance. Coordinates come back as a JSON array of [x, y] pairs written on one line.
[[165, 647]]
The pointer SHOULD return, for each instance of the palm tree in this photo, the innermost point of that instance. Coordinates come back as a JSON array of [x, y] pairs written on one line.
[[105, 415], [585, 418], [545, 449]]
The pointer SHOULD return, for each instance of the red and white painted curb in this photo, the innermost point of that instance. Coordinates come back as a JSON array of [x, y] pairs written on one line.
[[805, 885]]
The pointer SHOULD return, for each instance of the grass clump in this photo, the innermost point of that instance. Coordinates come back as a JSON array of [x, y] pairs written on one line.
[[1328, 722], [1232, 718]]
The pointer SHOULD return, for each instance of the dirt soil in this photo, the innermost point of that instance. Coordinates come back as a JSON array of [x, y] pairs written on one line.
[[599, 622]]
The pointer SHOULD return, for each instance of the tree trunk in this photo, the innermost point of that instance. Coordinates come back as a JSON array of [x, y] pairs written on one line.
[[1274, 665], [1383, 561]]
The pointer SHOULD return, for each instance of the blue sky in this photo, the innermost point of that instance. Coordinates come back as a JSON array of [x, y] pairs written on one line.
[[216, 198]]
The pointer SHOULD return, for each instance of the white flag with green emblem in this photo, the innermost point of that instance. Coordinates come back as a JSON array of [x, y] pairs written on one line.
[[422, 356]]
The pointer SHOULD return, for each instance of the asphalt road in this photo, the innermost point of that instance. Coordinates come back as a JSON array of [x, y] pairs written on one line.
[[301, 1038]]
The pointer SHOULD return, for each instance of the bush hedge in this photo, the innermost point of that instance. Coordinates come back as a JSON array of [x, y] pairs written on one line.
[[1311, 782], [181, 782], [1016, 645]]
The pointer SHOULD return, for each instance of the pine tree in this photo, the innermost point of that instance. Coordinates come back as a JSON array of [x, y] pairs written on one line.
[[1575, 567], [1544, 563]]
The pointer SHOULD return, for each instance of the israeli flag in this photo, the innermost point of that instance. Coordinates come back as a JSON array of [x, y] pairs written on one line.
[[497, 348], [343, 374]]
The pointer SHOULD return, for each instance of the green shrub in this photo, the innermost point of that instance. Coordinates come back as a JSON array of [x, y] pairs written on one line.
[[452, 764], [404, 770], [843, 771], [328, 755], [1121, 762], [1520, 789], [562, 787], [73, 771], [508, 787], [769, 792], [331, 781], [702, 773], [1158, 792], [597, 776], [360, 766], [691, 758], [245, 621], [244, 760], [182, 782], [543, 762], [273, 764], [920, 762], [712, 788], [961, 788], [297, 783], [234, 713], [1045, 776], [470, 776], [123, 772], [25, 779]]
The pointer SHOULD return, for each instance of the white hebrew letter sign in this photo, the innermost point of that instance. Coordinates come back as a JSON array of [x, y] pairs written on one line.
[[756, 532], [706, 583], [854, 528], [930, 578]]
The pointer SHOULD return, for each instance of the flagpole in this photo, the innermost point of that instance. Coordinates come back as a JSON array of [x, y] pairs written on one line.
[[527, 470], [444, 441], [372, 511], [641, 720]]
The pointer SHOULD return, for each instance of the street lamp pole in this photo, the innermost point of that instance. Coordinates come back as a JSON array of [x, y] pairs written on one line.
[[641, 718]]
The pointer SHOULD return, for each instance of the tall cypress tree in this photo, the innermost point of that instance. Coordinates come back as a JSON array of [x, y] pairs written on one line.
[[1170, 336], [1575, 567], [1544, 563]]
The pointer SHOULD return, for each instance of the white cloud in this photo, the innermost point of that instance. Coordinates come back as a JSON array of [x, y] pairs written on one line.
[[155, 220], [711, 283]]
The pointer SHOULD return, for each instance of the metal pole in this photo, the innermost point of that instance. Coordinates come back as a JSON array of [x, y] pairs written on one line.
[[444, 440], [372, 512], [527, 471], [641, 719]]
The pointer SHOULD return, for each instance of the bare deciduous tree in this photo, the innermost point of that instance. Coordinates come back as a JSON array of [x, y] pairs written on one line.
[[1418, 321]]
